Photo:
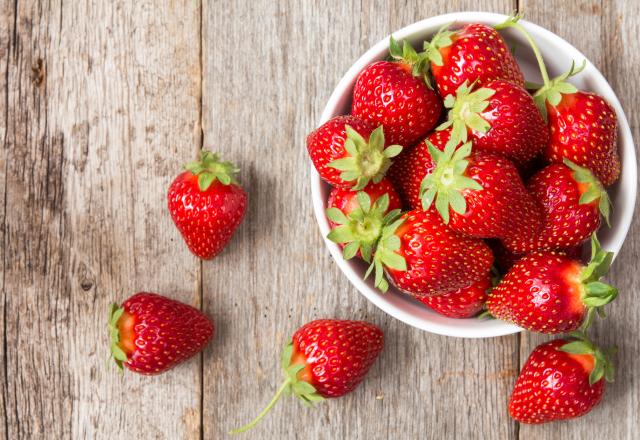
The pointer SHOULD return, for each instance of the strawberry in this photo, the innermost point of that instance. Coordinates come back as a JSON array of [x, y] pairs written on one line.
[[411, 167], [151, 334], [207, 205], [423, 257], [349, 152], [357, 217], [500, 117], [505, 259], [480, 194], [583, 126], [572, 200], [549, 292], [562, 379], [326, 358], [473, 54], [462, 303], [395, 94]]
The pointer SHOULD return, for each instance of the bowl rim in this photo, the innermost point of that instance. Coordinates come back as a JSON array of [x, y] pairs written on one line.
[[491, 328]]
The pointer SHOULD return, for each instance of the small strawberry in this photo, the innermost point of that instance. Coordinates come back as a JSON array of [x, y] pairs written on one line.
[[357, 217], [151, 334], [326, 358], [500, 117], [423, 257], [548, 292], [480, 194], [207, 205], [473, 54], [349, 152], [408, 171], [561, 379], [462, 303], [572, 200], [583, 126], [395, 94]]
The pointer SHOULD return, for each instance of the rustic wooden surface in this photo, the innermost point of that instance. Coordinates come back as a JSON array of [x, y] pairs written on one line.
[[102, 102]]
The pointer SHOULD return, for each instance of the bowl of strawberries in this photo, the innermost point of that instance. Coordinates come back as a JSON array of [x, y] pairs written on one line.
[[463, 168]]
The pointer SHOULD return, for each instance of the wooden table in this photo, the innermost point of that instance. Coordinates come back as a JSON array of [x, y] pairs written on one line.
[[102, 102]]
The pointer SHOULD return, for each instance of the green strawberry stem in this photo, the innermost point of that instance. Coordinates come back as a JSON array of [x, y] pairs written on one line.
[[552, 89], [117, 354], [291, 385], [447, 181], [266, 409], [595, 190], [596, 293], [210, 168], [366, 160], [386, 256], [603, 366], [360, 229]]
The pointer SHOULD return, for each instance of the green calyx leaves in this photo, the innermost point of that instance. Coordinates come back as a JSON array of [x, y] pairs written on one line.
[[360, 229], [210, 168], [595, 190], [385, 254], [596, 294], [448, 180], [366, 161], [442, 39], [405, 53], [117, 354], [603, 366], [465, 108], [299, 388], [553, 90]]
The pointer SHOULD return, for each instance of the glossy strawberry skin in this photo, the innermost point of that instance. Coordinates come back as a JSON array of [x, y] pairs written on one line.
[[503, 208], [163, 332], [387, 93], [206, 219], [463, 303], [478, 53], [567, 223], [337, 354], [439, 260], [505, 259], [541, 293], [554, 385], [345, 199], [517, 131], [410, 168], [584, 129], [326, 144]]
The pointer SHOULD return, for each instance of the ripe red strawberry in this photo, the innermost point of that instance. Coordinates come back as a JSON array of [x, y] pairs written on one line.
[[357, 217], [395, 94], [207, 205], [151, 334], [408, 171], [326, 358], [548, 292], [583, 126], [480, 194], [505, 259], [462, 303], [349, 152], [474, 53], [500, 117], [423, 257], [572, 200], [561, 379]]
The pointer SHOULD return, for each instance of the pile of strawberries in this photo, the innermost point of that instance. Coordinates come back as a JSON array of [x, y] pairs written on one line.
[[429, 177], [469, 192]]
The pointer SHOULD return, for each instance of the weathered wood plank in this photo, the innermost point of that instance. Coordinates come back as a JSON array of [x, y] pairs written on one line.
[[268, 71], [103, 102], [606, 33]]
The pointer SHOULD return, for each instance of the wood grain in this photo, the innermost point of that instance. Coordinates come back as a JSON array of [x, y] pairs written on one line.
[[264, 88], [103, 99], [603, 32]]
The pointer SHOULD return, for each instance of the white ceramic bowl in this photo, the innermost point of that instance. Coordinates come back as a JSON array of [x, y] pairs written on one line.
[[558, 55]]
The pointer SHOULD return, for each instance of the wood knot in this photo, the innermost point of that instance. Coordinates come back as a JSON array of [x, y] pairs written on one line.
[[38, 72]]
